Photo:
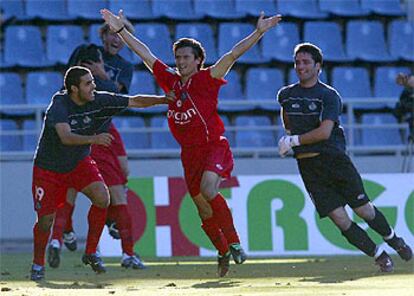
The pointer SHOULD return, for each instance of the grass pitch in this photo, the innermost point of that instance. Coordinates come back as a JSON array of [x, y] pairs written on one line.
[[339, 275]]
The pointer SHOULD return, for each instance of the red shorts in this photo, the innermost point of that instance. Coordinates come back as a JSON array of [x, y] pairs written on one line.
[[108, 165], [215, 157], [49, 188]]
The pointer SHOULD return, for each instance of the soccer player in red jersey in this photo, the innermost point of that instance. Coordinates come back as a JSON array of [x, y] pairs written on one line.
[[62, 159], [194, 122]]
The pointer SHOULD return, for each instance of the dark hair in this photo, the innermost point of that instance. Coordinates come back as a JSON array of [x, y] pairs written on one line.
[[73, 77], [198, 49], [311, 49]]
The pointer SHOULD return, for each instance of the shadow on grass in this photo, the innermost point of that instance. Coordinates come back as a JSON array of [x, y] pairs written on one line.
[[222, 283]]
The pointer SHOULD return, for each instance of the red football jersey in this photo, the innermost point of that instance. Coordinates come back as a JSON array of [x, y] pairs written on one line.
[[193, 118]]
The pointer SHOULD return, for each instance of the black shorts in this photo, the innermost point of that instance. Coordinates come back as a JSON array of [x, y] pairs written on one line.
[[332, 181]]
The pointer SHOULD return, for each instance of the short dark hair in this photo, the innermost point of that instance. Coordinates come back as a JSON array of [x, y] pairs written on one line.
[[311, 49], [73, 76], [198, 50]]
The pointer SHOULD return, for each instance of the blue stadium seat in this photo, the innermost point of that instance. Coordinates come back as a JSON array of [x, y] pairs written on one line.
[[86, 9], [385, 86], [12, 8], [386, 8], [279, 42], [348, 8], [263, 84], [61, 41], [254, 7], [255, 138], [382, 135], [157, 37], [94, 38], [139, 10], [232, 91], [231, 33], [202, 33], [9, 142], [351, 83], [293, 78], [32, 135], [365, 40], [175, 9], [327, 36], [401, 39], [230, 135], [47, 9], [221, 9], [40, 86], [144, 83], [162, 140], [308, 9], [11, 91], [24, 47], [132, 139]]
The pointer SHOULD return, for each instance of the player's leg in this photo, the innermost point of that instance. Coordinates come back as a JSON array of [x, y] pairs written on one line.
[[124, 224], [356, 236], [209, 189], [69, 235], [41, 233], [377, 221]]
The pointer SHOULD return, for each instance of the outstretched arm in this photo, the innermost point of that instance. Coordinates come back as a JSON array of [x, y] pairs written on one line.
[[224, 64], [142, 101], [141, 49]]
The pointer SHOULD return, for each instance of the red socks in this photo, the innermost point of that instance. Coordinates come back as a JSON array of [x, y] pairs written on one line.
[[224, 218], [123, 223], [96, 221], [62, 217], [69, 225], [111, 215], [215, 235], [40, 239]]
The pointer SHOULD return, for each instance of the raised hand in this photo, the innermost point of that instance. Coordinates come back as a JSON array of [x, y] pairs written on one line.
[[264, 24], [115, 22]]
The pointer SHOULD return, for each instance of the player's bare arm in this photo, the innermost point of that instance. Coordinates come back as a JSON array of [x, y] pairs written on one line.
[[142, 101], [224, 64], [322, 133], [141, 49], [285, 121], [68, 138]]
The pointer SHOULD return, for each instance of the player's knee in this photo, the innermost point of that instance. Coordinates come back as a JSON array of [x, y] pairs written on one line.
[[208, 190], [45, 222], [101, 198], [205, 212]]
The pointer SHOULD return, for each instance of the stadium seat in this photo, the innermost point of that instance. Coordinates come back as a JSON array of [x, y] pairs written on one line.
[[401, 39], [47, 9], [381, 7], [11, 91], [139, 10], [254, 138], [157, 37], [232, 91], [254, 7], [293, 78], [40, 86], [12, 8], [347, 8], [231, 33], [201, 32], [144, 83], [132, 139], [61, 41], [94, 38], [86, 9], [279, 42], [162, 140], [352, 83], [307, 9], [230, 135], [365, 40], [385, 86], [9, 142], [380, 136], [175, 9], [221, 9], [327, 36], [24, 47], [263, 84], [31, 135]]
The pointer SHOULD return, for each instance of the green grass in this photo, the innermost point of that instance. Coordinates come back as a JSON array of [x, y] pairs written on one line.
[[336, 275]]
